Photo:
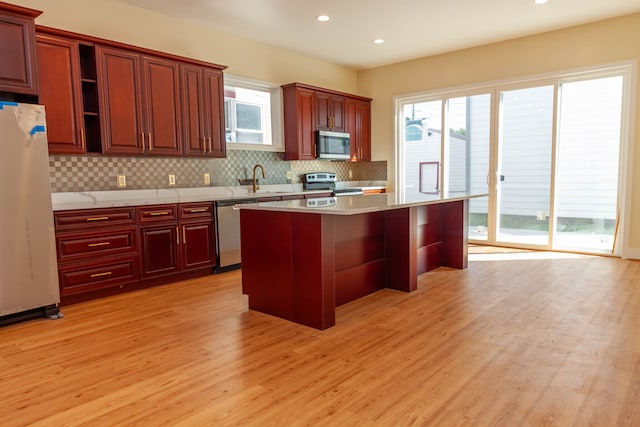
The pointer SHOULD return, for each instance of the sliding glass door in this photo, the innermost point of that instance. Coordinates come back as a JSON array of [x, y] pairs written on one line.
[[588, 158], [548, 152], [525, 163]]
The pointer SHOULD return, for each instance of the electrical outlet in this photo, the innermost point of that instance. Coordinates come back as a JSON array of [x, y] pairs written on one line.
[[207, 179], [289, 175], [172, 179], [122, 181], [350, 173]]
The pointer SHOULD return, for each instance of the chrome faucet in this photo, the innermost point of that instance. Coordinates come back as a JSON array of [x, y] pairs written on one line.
[[255, 185]]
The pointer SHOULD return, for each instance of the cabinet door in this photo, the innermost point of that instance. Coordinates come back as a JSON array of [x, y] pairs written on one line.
[[159, 250], [60, 93], [161, 108], [198, 245], [193, 116], [214, 86], [351, 125], [363, 129], [323, 110], [329, 112], [299, 123], [120, 103], [337, 113], [17, 54]]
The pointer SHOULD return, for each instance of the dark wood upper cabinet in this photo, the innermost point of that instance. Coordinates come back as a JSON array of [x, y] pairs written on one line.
[[351, 112], [363, 129], [329, 111], [299, 122], [193, 118], [18, 68], [214, 108], [111, 98], [309, 108], [120, 101], [202, 111], [161, 106], [139, 103], [61, 93], [358, 125]]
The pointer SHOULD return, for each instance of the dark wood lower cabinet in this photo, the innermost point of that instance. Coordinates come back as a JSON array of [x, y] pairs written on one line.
[[181, 239], [318, 261], [159, 251], [106, 251], [91, 276], [198, 245]]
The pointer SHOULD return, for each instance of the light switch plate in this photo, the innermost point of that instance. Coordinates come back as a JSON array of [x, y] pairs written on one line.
[[172, 179], [207, 179], [122, 181]]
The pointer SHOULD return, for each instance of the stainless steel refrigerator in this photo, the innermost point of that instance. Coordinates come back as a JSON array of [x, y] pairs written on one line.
[[28, 268]]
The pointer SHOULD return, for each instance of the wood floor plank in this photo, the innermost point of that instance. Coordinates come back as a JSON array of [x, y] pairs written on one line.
[[517, 339]]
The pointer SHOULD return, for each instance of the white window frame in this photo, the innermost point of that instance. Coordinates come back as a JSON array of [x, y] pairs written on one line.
[[275, 91]]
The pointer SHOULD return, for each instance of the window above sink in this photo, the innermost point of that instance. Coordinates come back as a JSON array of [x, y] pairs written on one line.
[[253, 115]]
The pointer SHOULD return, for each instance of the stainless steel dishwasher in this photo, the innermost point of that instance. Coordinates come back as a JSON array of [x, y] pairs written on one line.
[[228, 233]]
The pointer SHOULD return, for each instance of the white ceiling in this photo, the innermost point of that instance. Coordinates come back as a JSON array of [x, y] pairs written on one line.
[[410, 28]]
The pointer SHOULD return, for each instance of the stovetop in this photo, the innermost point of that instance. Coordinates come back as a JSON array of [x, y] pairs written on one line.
[[319, 177], [327, 181]]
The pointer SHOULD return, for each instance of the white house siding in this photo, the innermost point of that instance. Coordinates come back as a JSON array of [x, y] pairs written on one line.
[[526, 127]]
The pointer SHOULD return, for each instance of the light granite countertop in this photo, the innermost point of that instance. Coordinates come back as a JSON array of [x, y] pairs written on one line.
[[121, 198], [351, 205]]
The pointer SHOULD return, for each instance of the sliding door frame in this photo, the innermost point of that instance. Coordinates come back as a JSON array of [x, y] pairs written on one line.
[[627, 69]]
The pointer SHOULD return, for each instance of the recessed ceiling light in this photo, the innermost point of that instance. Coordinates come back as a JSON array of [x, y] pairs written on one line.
[[540, 1], [378, 41], [323, 18]]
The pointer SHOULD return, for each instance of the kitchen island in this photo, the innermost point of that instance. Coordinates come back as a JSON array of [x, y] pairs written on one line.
[[301, 259]]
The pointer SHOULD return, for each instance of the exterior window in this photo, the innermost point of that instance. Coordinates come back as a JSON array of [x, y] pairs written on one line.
[[251, 115]]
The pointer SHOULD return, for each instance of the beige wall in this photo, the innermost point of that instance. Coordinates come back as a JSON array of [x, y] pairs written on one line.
[[602, 42], [113, 20]]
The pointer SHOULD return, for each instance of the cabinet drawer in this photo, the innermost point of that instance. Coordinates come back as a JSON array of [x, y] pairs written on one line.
[[93, 218], [88, 277], [195, 210], [157, 213], [96, 243]]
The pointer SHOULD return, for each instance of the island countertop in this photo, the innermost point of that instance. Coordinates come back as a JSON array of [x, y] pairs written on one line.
[[352, 205]]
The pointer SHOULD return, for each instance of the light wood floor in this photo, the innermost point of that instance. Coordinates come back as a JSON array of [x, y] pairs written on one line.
[[521, 342]]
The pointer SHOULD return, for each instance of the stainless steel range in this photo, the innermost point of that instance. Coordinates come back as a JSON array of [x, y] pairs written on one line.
[[327, 181]]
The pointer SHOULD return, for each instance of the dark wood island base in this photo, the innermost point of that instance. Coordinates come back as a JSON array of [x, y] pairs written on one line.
[[301, 266]]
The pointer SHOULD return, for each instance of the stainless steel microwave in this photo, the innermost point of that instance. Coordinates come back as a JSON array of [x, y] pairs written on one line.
[[333, 145]]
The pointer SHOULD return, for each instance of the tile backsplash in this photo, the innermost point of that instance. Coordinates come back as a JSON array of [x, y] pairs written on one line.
[[99, 173]]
